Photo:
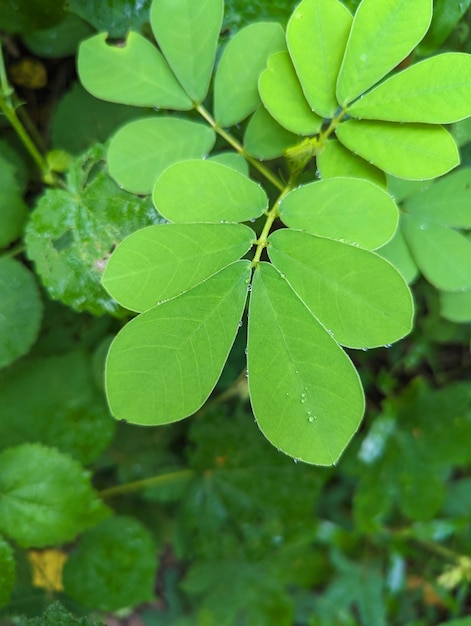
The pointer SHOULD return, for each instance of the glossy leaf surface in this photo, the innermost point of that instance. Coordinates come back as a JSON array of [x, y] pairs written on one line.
[[305, 393], [283, 97], [317, 33], [205, 191], [135, 73], [382, 35], [358, 296], [411, 151], [335, 160], [187, 33], [243, 60], [160, 262], [140, 151], [164, 364], [347, 209]]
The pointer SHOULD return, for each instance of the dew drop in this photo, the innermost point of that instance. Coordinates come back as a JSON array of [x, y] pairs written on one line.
[[311, 419], [388, 345], [295, 460], [249, 287], [365, 349], [240, 324], [423, 226], [246, 373]]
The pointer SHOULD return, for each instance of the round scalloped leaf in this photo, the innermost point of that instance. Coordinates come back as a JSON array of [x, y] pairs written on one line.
[[46, 496], [264, 138], [383, 33], [317, 34], [411, 151], [442, 254], [205, 191], [140, 151], [455, 306], [305, 393], [435, 91], [361, 298], [398, 254], [118, 549], [20, 310], [335, 160], [160, 262], [135, 73], [243, 60], [283, 97], [7, 572], [350, 210], [187, 33], [164, 364]]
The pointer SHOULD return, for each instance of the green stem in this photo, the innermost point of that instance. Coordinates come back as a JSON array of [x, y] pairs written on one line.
[[232, 141], [431, 546], [18, 249], [145, 483]]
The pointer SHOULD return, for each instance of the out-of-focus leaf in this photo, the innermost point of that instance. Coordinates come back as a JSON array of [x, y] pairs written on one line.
[[116, 17], [60, 40], [397, 253], [13, 211], [57, 615], [7, 572], [446, 15], [26, 16], [116, 550], [456, 306]]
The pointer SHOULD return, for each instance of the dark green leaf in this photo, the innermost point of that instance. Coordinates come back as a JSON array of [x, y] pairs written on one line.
[[7, 572], [13, 211], [116, 17], [25, 16], [59, 41]]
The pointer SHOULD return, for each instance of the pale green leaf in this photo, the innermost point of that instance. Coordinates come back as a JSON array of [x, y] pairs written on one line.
[[411, 151], [361, 298], [383, 33], [231, 159], [435, 91], [20, 310], [140, 151], [283, 97], [350, 210], [205, 191], [401, 189], [305, 393], [335, 160], [446, 202], [243, 60], [264, 138], [317, 34], [161, 262], [7, 572], [398, 254], [46, 496], [443, 255], [164, 364], [455, 306], [135, 73]]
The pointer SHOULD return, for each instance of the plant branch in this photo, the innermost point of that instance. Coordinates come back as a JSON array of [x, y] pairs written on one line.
[[145, 483]]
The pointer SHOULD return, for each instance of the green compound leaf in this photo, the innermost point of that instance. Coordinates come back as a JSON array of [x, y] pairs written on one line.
[[456, 306], [161, 262], [72, 232], [140, 151], [264, 138], [305, 393], [164, 364], [335, 160], [205, 191], [118, 549], [446, 202], [283, 97], [361, 298], [231, 159], [54, 401], [7, 572], [411, 151], [135, 74], [243, 60], [20, 310], [316, 34], [435, 91], [397, 253], [442, 254], [350, 210], [383, 33], [187, 33], [46, 497]]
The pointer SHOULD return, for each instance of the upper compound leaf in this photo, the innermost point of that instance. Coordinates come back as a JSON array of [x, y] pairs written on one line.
[[264, 138], [205, 191], [140, 151], [243, 60], [187, 33], [335, 160], [361, 298], [164, 364], [411, 151], [135, 74], [305, 393], [283, 97], [317, 34], [383, 33], [435, 91], [350, 210], [160, 262]]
